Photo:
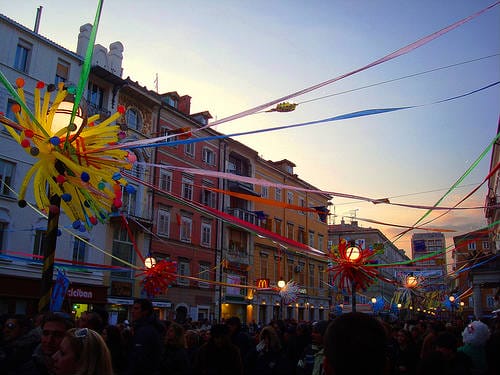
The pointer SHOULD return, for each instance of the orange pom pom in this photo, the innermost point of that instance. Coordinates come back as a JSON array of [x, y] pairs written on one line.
[[16, 108], [20, 82]]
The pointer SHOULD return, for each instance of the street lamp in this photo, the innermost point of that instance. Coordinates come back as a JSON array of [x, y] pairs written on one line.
[[452, 303], [374, 301], [353, 254], [150, 261], [281, 285]]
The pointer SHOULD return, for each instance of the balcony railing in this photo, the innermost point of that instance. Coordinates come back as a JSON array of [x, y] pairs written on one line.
[[242, 214], [237, 255]]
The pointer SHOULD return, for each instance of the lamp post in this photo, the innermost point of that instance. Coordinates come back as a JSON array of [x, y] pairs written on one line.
[[374, 301], [353, 254], [281, 285], [452, 303], [61, 120]]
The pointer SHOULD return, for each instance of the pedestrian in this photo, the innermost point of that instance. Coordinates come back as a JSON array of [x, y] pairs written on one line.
[[175, 359], [355, 343], [311, 361], [82, 352], [115, 341], [407, 354], [218, 356], [271, 358], [146, 344], [239, 338], [53, 329]]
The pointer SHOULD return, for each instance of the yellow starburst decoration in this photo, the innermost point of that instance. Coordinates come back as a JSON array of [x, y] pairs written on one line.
[[73, 163]]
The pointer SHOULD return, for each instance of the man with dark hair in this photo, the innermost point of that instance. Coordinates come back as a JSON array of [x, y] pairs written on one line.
[[146, 345], [355, 343], [53, 327], [239, 338]]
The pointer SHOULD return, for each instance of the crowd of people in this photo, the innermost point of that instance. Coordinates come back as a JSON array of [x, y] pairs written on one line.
[[353, 343]]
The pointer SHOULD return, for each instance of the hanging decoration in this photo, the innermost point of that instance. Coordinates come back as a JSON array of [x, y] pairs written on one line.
[[289, 292], [158, 278], [90, 186], [283, 107], [411, 289], [349, 266]]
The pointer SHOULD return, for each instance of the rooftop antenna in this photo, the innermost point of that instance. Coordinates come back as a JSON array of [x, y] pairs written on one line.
[[37, 19], [156, 83]]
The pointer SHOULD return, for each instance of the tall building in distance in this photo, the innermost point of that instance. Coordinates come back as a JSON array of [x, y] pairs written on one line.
[[431, 246]]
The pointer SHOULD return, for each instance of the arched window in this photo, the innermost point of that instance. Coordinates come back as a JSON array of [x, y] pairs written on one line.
[[134, 120]]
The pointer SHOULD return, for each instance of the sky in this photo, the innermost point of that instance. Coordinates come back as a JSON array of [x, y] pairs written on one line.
[[230, 56]]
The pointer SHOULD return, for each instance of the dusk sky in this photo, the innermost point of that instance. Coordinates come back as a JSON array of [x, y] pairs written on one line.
[[230, 56]]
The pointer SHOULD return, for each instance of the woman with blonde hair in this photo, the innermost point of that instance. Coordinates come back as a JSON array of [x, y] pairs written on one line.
[[175, 358], [82, 351], [270, 357]]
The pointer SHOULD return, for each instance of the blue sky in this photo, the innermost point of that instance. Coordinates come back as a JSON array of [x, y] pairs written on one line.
[[230, 56]]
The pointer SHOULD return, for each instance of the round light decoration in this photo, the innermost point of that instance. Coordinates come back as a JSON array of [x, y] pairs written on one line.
[[353, 253]]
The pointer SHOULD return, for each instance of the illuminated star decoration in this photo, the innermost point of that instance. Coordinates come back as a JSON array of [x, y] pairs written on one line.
[[90, 187], [158, 278], [289, 292], [350, 268], [411, 289]]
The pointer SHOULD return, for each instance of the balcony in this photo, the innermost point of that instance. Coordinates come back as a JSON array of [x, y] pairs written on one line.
[[242, 214], [237, 254]]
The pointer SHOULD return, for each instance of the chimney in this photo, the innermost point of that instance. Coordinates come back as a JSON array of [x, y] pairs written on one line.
[[184, 104], [37, 19]]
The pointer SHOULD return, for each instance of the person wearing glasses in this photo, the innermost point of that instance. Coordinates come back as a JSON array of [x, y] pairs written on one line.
[[82, 351]]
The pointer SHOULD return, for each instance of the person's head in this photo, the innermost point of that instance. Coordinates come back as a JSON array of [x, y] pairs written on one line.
[[175, 335], [15, 326], [82, 351], [219, 335], [234, 324], [192, 339], [92, 320], [318, 331], [141, 308], [54, 327], [271, 340], [355, 343], [446, 343], [403, 337]]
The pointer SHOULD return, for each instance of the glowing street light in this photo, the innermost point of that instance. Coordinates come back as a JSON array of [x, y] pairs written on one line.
[[353, 254]]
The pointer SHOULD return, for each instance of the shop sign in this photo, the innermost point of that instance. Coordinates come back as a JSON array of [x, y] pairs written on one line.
[[263, 283]]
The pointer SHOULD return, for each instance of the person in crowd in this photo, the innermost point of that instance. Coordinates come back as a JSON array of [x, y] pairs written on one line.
[[53, 328], [239, 338], [444, 359], [146, 344], [355, 343], [18, 342], [175, 360], [493, 347], [474, 337], [311, 362], [193, 343], [92, 320], [115, 341], [219, 355], [270, 357], [407, 355], [82, 351], [428, 345]]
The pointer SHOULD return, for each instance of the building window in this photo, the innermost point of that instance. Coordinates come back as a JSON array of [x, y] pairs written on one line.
[[129, 200], [208, 156], [264, 192], [486, 245], [163, 226], [183, 270], [277, 194], [301, 235], [311, 238], [289, 197], [321, 239], [165, 180], [186, 228], [289, 230], [62, 71], [122, 249], [471, 246], [311, 275], [277, 226], [6, 176], [206, 234], [79, 248], [133, 119], [204, 274], [95, 96], [38, 244], [208, 198], [23, 54], [263, 266], [10, 115], [302, 203], [3, 229], [320, 277], [189, 149], [187, 188]]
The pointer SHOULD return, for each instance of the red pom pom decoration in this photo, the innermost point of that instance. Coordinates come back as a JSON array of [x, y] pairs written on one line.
[[157, 278], [40, 85], [121, 109]]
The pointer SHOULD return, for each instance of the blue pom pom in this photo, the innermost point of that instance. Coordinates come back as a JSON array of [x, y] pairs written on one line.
[[76, 224], [59, 232], [55, 141], [82, 228], [130, 189], [66, 197], [117, 176], [85, 177]]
